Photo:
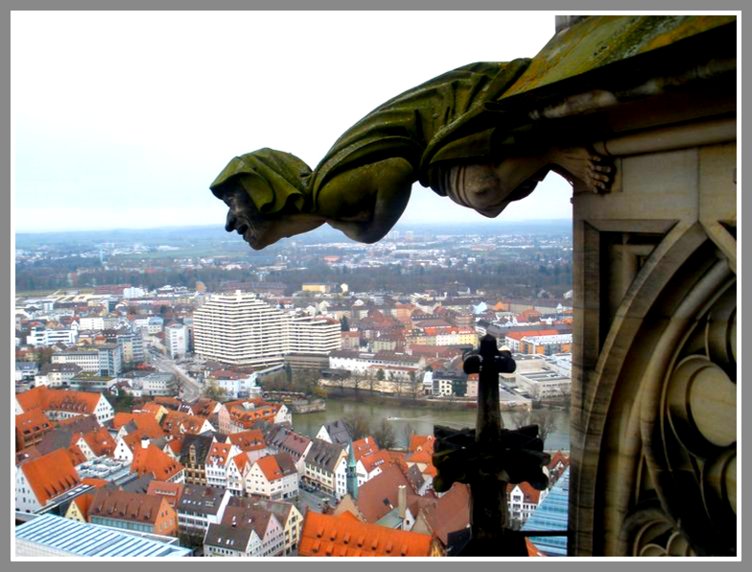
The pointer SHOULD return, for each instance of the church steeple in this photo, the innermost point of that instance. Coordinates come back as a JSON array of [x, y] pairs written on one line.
[[351, 473]]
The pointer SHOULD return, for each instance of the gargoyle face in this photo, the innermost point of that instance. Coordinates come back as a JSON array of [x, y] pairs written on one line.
[[244, 217]]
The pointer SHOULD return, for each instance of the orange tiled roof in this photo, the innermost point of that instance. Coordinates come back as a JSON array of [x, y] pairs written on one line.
[[271, 469], [345, 535], [421, 443], [152, 408], [365, 446], [76, 455], [50, 475], [153, 460], [146, 424], [100, 442], [175, 445], [59, 400], [241, 461], [204, 406], [377, 494], [450, 512], [170, 491], [123, 505], [32, 421], [375, 460], [218, 454], [250, 440], [422, 457], [121, 418], [96, 483]]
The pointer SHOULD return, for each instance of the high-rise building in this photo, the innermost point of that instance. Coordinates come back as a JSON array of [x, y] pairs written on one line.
[[240, 329], [176, 340], [314, 335]]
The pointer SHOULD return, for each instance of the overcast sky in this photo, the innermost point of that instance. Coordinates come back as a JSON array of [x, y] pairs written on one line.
[[123, 119]]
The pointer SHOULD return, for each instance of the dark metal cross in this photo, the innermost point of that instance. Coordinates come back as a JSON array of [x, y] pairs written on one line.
[[488, 457]]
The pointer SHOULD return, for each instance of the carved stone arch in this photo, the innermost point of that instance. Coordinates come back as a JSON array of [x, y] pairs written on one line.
[[675, 322]]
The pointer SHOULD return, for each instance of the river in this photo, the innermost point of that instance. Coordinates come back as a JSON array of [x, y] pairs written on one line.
[[419, 420]]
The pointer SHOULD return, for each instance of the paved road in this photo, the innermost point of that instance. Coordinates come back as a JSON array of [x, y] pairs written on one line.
[[191, 390]]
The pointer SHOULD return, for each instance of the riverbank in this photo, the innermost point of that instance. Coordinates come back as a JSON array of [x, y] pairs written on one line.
[[407, 418], [367, 397]]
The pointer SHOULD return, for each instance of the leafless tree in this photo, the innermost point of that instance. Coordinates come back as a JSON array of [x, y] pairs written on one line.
[[358, 426], [545, 419], [384, 435]]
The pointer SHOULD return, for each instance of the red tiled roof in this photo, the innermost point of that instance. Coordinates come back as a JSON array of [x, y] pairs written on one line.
[[421, 442], [422, 457], [271, 468], [152, 459], [450, 512], [124, 505], [59, 400], [32, 421], [375, 460], [121, 418], [100, 442], [365, 446], [50, 475], [241, 461], [218, 454], [378, 496], [345, 535], [75, 454], [250, 440], [170, 491], [96, 483]]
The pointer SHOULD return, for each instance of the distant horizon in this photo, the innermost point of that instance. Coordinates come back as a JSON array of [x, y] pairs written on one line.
[[398, 227]]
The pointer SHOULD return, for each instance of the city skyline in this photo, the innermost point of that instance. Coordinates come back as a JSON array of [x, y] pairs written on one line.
[[113, 132]]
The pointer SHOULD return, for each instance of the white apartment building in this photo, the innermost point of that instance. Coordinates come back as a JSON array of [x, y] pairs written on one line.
[[177, 340], [240, 329], [314, 335]]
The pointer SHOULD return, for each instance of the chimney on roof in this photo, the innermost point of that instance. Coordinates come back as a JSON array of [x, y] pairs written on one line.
[[144, 443], [402, 501]]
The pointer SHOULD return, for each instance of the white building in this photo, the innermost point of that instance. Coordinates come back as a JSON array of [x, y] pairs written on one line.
[[97, 323], [314, 335], [103, 360], [364, 363], [43, 337], [156, 384], [240, 329], [217, 462], [237, 472], [177, 340], [274, 477], [546, 383]]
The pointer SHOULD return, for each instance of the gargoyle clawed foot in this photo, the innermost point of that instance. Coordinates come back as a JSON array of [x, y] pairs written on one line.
[[594, 170]]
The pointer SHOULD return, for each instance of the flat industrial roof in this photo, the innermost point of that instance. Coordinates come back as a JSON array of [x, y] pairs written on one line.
[[91, 540]]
